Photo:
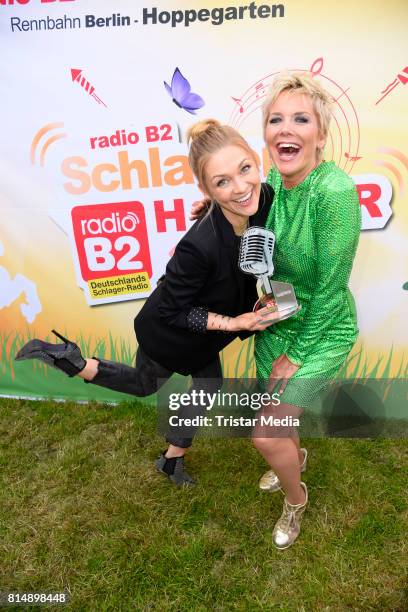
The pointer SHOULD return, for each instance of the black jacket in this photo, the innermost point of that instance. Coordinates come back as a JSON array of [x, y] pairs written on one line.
[[202, 272]]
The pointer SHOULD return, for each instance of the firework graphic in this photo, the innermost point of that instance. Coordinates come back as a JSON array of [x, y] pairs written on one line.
[[401, 78], [77, 77]]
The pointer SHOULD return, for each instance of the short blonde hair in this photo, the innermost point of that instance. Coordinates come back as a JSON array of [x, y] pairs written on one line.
[[304, 83], [206, 138]]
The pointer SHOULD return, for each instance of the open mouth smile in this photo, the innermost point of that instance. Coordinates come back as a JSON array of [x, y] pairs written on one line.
[[245, 199], [287, 150]]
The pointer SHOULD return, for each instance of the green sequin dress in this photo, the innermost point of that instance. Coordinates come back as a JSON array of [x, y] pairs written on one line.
[[316, 226]]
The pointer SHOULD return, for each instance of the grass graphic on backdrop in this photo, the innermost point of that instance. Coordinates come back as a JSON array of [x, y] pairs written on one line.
[[36, 379]]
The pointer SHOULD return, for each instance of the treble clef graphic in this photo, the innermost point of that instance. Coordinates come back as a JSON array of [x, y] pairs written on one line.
[[316, 67]]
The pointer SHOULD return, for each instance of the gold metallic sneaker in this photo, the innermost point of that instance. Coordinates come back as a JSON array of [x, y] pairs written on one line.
[[270, 481], [287, 528]]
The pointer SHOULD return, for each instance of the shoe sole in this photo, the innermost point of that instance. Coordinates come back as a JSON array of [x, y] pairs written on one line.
[[186, 483], [271, 489], [178, 484], [285, 547], [275, 489], [27, 350], [32, 349]]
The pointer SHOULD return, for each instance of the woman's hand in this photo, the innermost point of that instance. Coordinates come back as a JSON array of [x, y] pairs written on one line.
[[197, 208], [282, 369], [253, 321]]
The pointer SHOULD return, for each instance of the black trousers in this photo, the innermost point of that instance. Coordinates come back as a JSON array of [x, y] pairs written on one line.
[[146, 378]]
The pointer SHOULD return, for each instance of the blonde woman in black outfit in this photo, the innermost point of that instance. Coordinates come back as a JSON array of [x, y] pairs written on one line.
[[204, 301]]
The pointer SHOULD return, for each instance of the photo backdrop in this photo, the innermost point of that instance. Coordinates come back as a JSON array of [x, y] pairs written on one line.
[[96, 97]]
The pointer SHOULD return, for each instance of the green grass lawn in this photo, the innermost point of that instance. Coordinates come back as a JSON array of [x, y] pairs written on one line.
[[83, 510]]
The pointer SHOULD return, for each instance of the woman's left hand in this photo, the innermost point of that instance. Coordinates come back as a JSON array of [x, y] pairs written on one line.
[[282, 369], [198, 207]]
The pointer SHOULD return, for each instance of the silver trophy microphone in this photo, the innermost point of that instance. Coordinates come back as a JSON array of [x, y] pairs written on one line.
[[255, 257]]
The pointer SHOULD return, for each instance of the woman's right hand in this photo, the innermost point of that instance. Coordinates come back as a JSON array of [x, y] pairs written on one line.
[[253, 321], [197, 208]]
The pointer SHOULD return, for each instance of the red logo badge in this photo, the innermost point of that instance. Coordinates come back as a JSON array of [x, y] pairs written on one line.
[[111, 239]]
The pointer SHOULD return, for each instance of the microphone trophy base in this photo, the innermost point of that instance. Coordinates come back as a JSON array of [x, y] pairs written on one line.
[[281, 300]]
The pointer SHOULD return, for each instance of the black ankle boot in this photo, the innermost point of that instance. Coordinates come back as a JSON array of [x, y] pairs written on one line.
[[66, 357], [177, 474]]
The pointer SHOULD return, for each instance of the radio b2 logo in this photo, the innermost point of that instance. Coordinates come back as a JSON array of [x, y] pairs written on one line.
[[111, 239]]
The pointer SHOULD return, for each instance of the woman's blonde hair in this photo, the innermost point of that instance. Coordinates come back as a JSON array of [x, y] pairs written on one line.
[[206, 138], [304, 83]]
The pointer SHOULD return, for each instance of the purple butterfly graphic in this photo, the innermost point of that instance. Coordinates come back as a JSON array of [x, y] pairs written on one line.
[[180, 92]]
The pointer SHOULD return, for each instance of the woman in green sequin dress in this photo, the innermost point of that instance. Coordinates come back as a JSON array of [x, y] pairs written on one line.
[[316, 220]]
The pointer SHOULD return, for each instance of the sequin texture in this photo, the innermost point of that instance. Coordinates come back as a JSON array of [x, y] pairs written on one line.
[[317, 226], [197, 320]]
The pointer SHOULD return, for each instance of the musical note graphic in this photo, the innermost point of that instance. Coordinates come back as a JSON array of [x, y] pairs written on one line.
[[90, 89], [400, 78], [259, 87], [343, 142], [316, 67], [239, 102], [334, 100], [351, 158]]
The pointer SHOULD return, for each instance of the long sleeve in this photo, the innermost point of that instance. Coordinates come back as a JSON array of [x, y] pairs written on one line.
[[337, 229]]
